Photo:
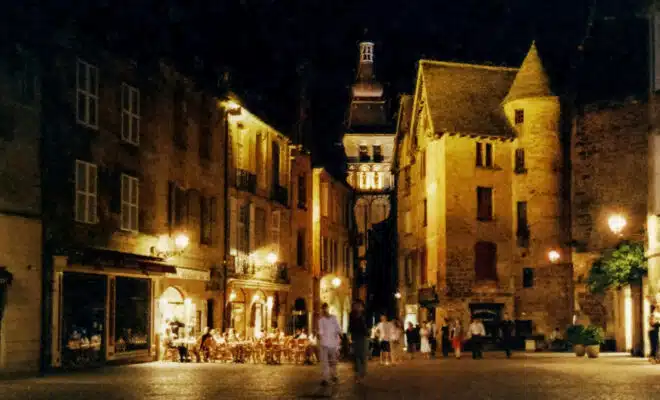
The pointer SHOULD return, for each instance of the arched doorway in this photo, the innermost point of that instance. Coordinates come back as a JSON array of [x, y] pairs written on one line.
[[299, 314], [258, 316], [236, 312], [172, 308]]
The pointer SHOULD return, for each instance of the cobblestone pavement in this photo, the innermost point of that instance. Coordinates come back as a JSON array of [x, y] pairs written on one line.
[[536, 376]]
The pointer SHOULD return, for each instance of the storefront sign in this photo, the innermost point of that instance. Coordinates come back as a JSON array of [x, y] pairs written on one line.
[[428, 296], [190, 274]]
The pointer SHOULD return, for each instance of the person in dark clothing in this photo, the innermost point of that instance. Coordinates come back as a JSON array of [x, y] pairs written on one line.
[[418, 337], [506, 334], [357, 327], [432, 338], [411, 340], [446, 345], [654, 325]]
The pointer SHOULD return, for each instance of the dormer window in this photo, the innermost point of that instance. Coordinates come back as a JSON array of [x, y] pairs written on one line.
[[519, 116]]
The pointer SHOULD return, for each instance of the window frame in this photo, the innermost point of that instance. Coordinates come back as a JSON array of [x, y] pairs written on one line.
[[127, 204], [519, 116], [88, 94], [91, 170], [491, 208], [133, 116]]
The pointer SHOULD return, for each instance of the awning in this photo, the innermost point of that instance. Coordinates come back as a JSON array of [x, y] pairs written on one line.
[[5, 276], [115, 259]]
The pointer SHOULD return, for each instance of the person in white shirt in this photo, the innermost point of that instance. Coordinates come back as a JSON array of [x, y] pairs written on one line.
[[384, 329], [477, 332], [329, 337]]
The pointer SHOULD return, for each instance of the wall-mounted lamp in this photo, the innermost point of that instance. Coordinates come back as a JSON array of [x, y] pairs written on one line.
[[271, 258], [168, 248], [397, 295], [553, 256], [336, 282]]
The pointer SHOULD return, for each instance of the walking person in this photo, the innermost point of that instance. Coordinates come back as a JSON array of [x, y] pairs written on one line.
[[396, 341], [654, 328], [444, 338], [507, 328], [384, 329], [411, 341], [357, 327], [432, 338], [477, 333], [425, 347], [329, 334], [456, 336]]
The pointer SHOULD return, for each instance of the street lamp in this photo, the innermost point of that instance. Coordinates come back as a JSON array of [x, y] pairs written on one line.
[[271, 258], [554, 256], [397, 295], [616, 222]]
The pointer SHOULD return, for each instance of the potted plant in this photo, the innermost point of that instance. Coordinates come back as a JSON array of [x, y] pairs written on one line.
[[593, 338], [575, 335]]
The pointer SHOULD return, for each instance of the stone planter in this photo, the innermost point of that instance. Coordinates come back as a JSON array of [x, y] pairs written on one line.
[[579, 350], [593, 351]]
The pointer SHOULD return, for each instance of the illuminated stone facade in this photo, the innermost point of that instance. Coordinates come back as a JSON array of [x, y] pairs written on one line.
[[20, 207], [479, 196], [331, 240]]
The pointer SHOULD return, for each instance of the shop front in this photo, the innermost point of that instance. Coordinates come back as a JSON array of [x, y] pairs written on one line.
[[255, 308], [184, 306], [102, 307], [336, 291]]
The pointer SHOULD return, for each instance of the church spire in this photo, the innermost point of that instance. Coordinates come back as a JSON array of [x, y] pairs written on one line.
[[531, 79], [366, 85]]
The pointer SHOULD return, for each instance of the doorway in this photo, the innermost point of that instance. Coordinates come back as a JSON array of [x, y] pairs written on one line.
[[490, 314]]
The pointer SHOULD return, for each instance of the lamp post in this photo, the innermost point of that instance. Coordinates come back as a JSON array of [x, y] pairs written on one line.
[[616, 223]]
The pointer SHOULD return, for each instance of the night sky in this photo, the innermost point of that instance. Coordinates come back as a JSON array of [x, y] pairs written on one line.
[[264, 43]]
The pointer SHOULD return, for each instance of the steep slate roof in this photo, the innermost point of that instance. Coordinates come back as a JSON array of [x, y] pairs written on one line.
[[532, 80], [467, 98]]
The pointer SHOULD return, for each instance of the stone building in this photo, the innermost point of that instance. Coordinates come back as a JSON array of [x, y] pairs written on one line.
[[133, 174], [20, 210], [331, 240], [479, 197], [369, 146], [609, 178], [260, 225]]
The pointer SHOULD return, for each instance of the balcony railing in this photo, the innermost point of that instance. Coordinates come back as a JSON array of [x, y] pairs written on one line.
[[246, 181], [281, 195], [244, 268]]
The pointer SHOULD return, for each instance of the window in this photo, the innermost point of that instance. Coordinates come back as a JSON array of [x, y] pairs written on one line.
[[130, 194], [86, 182], [244, 229], [324, 254], [423, 271], [522, 232], [300, 248], [378, 152], [408, 269], [207, 217], [276, 164], [179, 116], [519, 167], [130, 114], [177, 201], [528, 277], [87, 94], [485, 261], [484, 155], [521, 214], [422, 163], [519, 116], [260, 228], [275, 230], [484, 204], [424, 219], [364, 153], [325, 199], [205, 132], [132, 312]]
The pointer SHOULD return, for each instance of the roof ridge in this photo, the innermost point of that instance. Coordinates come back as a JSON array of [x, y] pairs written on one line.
[[468, 65]]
